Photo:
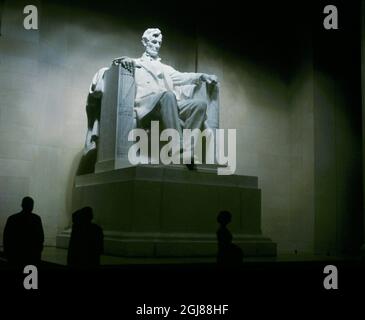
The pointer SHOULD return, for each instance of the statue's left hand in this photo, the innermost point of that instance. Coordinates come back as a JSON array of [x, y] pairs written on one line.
[[209, 78]]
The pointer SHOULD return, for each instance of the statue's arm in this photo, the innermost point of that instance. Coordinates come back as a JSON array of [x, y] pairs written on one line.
[[185, 78]]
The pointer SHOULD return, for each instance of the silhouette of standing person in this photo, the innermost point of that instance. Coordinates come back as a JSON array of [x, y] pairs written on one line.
[[23, 236], [86, 242], [228, 253]]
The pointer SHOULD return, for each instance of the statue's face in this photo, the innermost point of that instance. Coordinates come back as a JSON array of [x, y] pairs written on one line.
[[153, 44]]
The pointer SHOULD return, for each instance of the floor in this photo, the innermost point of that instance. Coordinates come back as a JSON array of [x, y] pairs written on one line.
[[59, 256]]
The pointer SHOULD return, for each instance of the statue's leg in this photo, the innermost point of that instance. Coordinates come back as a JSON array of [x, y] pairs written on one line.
[[193, 113], [168, 111]]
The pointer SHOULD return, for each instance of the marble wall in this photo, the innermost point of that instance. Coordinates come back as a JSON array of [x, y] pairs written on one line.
[[363, 108]]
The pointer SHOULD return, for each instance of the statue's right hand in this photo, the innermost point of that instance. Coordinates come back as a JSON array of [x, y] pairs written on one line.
[[126, 62], [118, 60]]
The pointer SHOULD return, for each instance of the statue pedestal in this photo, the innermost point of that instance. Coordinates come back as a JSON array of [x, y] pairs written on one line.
[[170, 211]]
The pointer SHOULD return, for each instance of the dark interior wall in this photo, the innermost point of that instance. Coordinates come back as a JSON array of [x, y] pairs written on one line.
[[1, 11], [300, 92], [337, 118], [363, 103]]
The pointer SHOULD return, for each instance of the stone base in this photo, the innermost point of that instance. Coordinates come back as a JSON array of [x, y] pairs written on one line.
[[174, 245], [169, 211]]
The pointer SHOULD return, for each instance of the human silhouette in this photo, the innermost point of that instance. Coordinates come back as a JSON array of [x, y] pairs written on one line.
[[86, 242], [23, 236], [228, 253]]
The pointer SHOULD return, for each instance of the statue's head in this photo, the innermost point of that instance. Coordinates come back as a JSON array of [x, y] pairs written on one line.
[[151, 40]]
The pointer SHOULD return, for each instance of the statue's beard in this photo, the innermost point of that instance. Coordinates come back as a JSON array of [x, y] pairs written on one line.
[[152, 52]]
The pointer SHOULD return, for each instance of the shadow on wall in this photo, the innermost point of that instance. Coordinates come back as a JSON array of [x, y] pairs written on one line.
[[86, 164]]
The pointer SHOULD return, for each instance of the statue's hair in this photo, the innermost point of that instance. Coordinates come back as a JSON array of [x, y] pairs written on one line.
[[147, 34]]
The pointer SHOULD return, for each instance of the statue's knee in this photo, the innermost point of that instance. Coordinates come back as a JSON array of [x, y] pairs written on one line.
[[168, 95]]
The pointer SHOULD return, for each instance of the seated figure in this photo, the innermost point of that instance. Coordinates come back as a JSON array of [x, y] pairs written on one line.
[[178, 100]]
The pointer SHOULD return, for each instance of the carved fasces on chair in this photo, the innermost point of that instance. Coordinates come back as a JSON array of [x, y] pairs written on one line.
[[126, 120], [117, 117]]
